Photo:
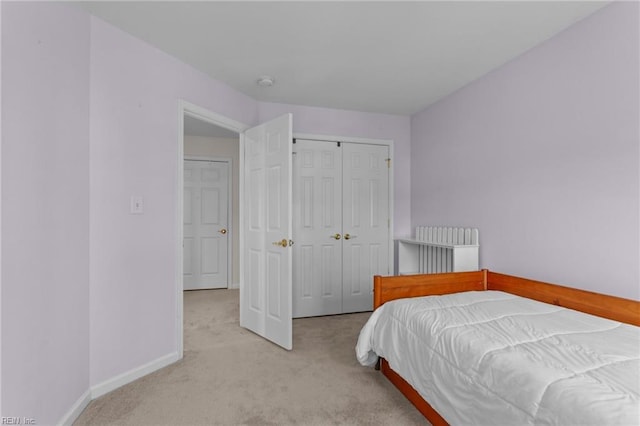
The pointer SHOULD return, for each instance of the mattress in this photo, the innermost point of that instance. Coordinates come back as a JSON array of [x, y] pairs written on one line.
[[490, 358]]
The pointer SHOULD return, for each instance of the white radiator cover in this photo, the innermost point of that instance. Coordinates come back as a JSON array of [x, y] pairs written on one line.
[[437, 249]]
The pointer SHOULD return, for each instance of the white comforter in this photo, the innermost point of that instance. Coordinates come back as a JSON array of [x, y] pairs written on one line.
[[493, 358]]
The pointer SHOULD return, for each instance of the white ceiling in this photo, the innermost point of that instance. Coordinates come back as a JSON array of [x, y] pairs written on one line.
[[389, 57]]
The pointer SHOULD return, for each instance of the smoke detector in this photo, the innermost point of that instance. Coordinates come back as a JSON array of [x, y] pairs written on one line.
[[266, 81]]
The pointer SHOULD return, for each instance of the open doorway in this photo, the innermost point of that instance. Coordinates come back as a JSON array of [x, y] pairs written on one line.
[[209, 147], [211, 206]]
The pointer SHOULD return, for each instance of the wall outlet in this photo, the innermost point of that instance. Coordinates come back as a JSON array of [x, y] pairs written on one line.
[[137, 204]]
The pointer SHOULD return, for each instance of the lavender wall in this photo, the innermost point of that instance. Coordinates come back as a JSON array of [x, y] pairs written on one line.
[[135, 90], [333, 122], [45, 209], [542, 155]]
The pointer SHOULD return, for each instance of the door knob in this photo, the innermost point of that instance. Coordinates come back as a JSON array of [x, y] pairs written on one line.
[[281, 243], [349, 236], [336, 236], [223, 231]]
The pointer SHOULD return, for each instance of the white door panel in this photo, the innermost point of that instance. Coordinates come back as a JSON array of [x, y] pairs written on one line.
[[265, 291], [365, 222], [252, 287], [278, 136], [206, 204], [317, 219]]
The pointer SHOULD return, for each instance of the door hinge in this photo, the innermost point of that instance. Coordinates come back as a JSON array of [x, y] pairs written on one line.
[[388, 160], [338, 144]]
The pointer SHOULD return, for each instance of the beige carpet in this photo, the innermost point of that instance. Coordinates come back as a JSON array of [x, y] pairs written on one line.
[[231, 376]]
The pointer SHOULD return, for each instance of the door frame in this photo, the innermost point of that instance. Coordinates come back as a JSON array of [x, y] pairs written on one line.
[[384, 142], [203, 114], [229, 162]]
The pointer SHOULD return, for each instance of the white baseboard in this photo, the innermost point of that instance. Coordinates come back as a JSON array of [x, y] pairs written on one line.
[[131, 375], [112, 384], [76, 409], [234, 286]]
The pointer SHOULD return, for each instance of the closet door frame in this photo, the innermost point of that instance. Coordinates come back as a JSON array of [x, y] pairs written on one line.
[[384, 142]]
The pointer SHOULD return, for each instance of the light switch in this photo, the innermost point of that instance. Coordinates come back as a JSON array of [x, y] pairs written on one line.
[[137, 205]]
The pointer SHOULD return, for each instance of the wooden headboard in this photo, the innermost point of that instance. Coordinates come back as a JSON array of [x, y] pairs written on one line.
[[602, 305], [398, 287]]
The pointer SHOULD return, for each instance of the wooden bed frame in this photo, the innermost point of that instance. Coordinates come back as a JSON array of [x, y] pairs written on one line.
[[397, 287]]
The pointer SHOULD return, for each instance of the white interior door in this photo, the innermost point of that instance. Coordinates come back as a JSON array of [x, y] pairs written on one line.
[[206, 239], [365, 222], [265, 286], [317, 224]]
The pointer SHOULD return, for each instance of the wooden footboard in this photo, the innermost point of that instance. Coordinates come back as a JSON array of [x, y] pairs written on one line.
[[397, 287]]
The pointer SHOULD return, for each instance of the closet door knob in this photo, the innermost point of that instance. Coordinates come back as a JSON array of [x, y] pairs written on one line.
[[336, 236], [223, 231], [349, 236]]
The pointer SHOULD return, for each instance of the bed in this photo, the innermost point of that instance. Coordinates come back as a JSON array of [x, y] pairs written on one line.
[[498, 349]]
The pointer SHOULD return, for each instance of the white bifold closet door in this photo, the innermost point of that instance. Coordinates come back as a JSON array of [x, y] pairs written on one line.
[[365, 222], [317, 228], [341, 225]]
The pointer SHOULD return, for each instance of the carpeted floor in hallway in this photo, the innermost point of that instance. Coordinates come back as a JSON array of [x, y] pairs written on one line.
[[230, 376]]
